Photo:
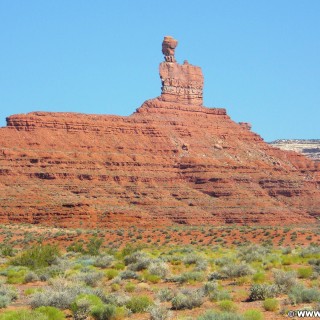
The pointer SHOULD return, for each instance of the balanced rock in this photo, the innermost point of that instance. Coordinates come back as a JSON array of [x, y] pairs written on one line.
[[180, 83]]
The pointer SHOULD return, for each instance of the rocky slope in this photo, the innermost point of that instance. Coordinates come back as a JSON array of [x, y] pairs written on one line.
[[172, 161], [310, 148]]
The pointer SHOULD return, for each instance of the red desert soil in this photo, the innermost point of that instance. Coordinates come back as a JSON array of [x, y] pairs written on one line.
[[173, 161]]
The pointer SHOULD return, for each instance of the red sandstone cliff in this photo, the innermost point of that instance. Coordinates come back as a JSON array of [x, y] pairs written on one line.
[[172, 161]]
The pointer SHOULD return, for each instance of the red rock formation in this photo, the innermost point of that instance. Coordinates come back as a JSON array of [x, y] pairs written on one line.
[[180, 83], [169, 162]]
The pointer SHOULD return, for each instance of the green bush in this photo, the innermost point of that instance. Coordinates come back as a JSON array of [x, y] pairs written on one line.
[[104, 312], [129, 287], [111, 273], [93, 246], [16, 276], [139, 304], [51, 313], [271, 304], [23, 315], [259, 277], [38, 256], [7, 251], [227, 306], [253, 315], [304, 273], [119, 266]]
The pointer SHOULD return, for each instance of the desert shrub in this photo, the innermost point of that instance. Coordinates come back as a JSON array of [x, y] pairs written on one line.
[[119, 266], [300, 294], [151, 277], [259, 277], [4, 301], [135, 257], [253, 315], [236, 270], [304, 272], [192, 276], [159, 268], [139, 304], [117, 299], [315, 264], [271, 304], [93, 246], [284, 280], [227, 306], [286, 250], [51, 313], [103, 261], [214, 315], [129, 287], [210, 287], [86, 260], [165, 294], [89, 278], [111, 273], [60, 295], [191, 259], [219, 294], [158, 312], [128, 274], [310, 251], [38, 256], [7, 251], [7, 295], [223, 261], [31, 277], [216, 276], [187, 299], [263, 291], [252, 253], [83, 305], [76, 247], [16, 275], [201, 265], [23, 315], [109, 312]]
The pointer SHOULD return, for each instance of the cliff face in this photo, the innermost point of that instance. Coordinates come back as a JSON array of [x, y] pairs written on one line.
[[172, 161], [309, 148]]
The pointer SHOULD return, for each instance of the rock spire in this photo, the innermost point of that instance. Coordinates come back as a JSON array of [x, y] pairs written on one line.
[[180, 83]]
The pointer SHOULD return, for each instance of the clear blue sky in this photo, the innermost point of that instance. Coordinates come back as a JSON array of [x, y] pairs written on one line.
[[260, 58]]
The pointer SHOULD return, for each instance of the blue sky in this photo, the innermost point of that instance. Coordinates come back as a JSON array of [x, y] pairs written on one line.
[[260, 59]]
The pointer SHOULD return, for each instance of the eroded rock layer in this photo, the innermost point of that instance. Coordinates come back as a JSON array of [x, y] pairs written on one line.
[[167, 163], [172, 161]]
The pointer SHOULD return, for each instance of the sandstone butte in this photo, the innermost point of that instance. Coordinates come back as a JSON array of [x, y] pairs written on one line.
[[173, 161]]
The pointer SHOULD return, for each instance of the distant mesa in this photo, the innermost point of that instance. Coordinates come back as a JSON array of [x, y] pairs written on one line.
[[173, 161], [308, 147]]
